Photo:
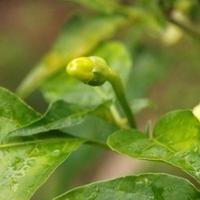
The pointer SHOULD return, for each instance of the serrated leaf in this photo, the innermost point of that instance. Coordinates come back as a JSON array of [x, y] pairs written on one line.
[[64, 87], [175, 140], [79, 37], [25, 165], [141, 187]]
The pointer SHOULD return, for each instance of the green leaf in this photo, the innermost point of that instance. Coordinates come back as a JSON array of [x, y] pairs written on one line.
[[149, 66], [141, 187], [79, 161], [59, 115], [25, 165], [175, 140], [64, 87], [71, 119], [79, 37], [92, 128], [118, 57], [14, 113]]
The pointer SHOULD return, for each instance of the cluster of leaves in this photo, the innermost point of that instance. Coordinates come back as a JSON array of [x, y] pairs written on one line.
[[33, 145]]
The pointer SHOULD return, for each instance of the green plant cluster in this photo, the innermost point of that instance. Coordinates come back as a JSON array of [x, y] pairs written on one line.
[[33, 145]]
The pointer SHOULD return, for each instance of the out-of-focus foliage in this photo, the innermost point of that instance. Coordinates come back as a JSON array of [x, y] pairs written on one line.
[[149, 65], [152, 37], [62, 86], [104, 6], [196, 111], [79, 36]]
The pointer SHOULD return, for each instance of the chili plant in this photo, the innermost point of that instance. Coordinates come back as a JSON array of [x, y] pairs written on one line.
[[92, 104]]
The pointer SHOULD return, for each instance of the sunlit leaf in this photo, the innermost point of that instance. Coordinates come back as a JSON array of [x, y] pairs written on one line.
[[175, 140], [26, 164]]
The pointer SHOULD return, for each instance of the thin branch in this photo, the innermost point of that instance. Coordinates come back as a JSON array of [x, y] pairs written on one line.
[[168, 15], [194, 34]]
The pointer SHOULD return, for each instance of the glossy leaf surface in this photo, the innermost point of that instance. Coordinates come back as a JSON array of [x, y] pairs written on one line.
[[175, 140], [141, 187], [25, 165], [71, 119]]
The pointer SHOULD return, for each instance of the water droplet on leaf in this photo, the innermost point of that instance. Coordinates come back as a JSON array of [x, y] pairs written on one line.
[[56, 153]]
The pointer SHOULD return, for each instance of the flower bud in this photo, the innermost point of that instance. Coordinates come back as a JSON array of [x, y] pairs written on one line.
[[90, 70]]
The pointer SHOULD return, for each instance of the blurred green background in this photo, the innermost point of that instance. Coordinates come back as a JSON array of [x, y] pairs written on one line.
[[168, 73]]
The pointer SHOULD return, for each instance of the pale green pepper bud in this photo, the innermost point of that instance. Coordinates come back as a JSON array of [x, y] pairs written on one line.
[[95, 71], [90, 70]]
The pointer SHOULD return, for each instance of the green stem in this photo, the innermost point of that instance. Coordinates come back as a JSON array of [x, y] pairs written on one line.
[[118, 88], [186, 28], [119, 121], [194, 34]]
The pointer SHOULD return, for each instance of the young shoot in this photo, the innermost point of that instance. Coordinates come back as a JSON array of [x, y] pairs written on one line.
[[95, 71]]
